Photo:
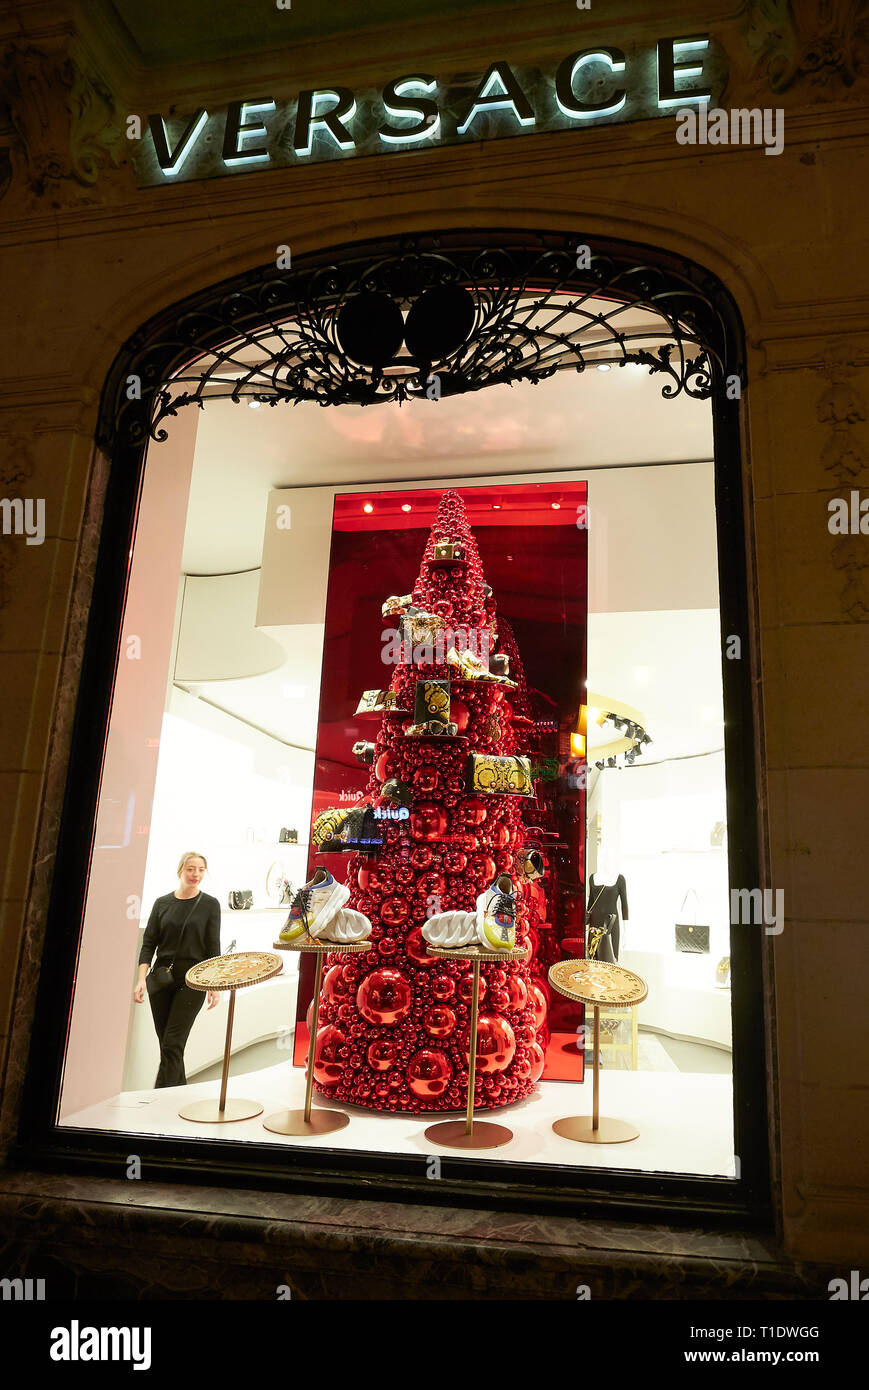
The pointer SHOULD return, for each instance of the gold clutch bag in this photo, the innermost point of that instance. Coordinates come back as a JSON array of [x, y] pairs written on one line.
[[507, 776]]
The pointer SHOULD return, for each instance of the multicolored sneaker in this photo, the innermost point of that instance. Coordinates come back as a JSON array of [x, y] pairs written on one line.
[[314, 906], [496, 915]]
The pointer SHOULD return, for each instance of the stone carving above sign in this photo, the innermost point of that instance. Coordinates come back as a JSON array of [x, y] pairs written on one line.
[[826, 41], [64, 118]]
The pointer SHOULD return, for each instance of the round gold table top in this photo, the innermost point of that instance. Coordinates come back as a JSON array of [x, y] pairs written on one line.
[[598, 982], [307, 943], [234, 971], [475, 953]]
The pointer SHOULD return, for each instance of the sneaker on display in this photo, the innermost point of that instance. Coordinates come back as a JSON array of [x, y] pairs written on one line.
[[451, 929], [314, 906], [496, 915], [345, 927]]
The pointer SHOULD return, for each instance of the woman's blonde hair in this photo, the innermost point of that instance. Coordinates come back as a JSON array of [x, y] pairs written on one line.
[[191, 854]]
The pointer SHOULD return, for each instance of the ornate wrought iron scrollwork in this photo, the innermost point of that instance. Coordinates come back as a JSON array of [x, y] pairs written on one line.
[[441, 314]]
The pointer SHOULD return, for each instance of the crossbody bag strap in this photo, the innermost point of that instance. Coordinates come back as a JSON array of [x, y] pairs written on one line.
[[183, 930], [597, 895]]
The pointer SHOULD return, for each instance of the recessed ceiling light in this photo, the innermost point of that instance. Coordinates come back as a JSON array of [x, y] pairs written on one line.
[[556, 506], [405, 506], [254, 405], [603, 366], [368, 507]]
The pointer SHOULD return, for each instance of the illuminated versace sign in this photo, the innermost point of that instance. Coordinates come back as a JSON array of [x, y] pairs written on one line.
[[592, 86]]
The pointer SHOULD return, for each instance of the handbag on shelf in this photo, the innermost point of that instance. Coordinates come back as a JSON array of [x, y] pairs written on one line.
[[692, 938], [160, 977], [289, 837], [240, 899]]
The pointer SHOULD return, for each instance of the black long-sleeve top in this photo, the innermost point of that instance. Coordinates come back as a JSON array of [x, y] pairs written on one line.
[[604, 899], [163, 932]]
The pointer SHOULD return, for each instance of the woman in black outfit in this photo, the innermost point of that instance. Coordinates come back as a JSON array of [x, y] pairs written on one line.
[[184, 929]]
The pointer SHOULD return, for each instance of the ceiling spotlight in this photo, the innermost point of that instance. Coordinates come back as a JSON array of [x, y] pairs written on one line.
[[368, 507], [556, 506], [254, 405], [603, 366], [405, 506]]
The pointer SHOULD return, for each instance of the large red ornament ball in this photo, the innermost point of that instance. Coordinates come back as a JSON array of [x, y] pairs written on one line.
[[428, 1074], [442, 986], [455, 861], [439, 1020], [327, 1067], [537, 1000], [381, 1055], [428, 821], [369, 879], [431, 885], [416, 949], [466, 989], [518, 992], [393, 911], [482, 866], [538, 1061], [496, 1043], [336, 990], [384, 996], [474, 811]]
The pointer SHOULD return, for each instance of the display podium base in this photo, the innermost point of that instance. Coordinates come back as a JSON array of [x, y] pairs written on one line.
[[209, 1111], [579, 1127], [293, 1122], [453, 1134]]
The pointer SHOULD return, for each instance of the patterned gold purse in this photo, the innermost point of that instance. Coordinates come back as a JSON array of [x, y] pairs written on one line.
[[506, 776]]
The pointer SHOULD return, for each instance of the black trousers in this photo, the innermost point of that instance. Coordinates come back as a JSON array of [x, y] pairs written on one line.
[[174, 1009]]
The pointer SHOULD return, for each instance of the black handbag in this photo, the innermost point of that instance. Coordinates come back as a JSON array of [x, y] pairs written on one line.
[[161, 976], [692, 937], [241, 899]]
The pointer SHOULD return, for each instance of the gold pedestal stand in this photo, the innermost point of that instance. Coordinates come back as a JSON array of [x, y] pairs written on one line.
[[308, 1121], [232, 972], [468, 1134], [597, 983]]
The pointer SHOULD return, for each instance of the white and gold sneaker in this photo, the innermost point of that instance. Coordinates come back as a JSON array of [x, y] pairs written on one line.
[[451, 929], [314, 906]]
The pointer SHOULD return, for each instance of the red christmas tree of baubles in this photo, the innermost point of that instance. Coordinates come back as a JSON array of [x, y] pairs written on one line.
[[394, 1022]]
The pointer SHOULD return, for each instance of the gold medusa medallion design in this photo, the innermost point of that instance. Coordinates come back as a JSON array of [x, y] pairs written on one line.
[[234, 971]]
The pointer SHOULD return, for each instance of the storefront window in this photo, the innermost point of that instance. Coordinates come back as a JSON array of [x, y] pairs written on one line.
[[569, 764]]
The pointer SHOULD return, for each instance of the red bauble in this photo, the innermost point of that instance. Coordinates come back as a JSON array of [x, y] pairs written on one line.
[[456, 784], [538, 1061], [426, 780], [327, 1068], [384, 996], [420, 856], [518, 992], [455, 861], [459, 714], [499, 999], [431, 885], [381, 1055], [496, 1043], [482, 866], [443, 608], [501, 836], [387, 946], [442, 986], [336, 990], [474, 811], [439, 1020], [393, 911], [385, 767], [538, 1001], [466, 989], [428, 821], [428, 1074], [415, 948], [404, 875]]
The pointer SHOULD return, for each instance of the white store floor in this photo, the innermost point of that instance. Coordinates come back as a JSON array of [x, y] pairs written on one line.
[[685, 1120]]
